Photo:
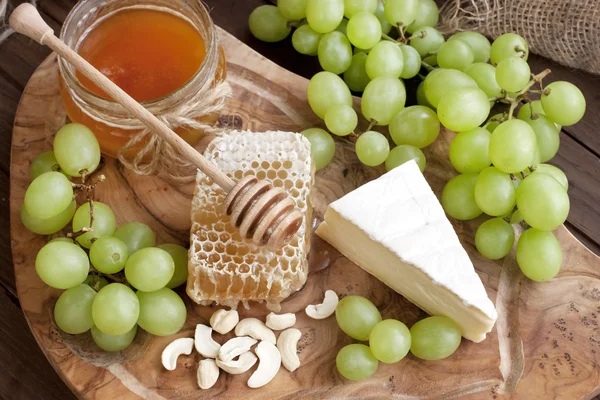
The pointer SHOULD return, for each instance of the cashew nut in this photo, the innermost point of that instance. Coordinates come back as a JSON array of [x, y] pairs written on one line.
[[256, 329], [241, 365], [325, 309], [174, 349], [204, 342], [224, 321], [279, 322], [208, 373], [287, 343], [234, 347], [270, 361]]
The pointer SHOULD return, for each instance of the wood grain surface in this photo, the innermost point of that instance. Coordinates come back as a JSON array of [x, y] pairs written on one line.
[[24, 371]]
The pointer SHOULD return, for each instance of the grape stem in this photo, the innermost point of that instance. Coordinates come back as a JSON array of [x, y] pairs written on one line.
[[113, 278], [386, 37], [401, 30], [428, 67], [83, 231]]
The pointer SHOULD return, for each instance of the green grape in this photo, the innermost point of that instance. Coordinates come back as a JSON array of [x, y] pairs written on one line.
[[411, 62], [539, 255], [116, 309], [353, 7], [543, 202], [62, 239], [324, 15], [479, 44], [442, 81], [516, 217], [96, 282], [434, 338], [364, 30], [62, 265], [508, 45], [390, 341], [149, 269], [343, 27], [463, 109], [180, 258], [563, 103], [494, 238], [513, 74], [45, 162], [322, 146], [494, 192], [382, 99], [372, 148], [554, 172], [341, 119], [108, 255], [458, 197], [418, 126], [512, 146], [104, 222], [306, 41], [293, 10], [326, 89], [356, 362], [357, 316], [547, 136], [380, 14], [73, 309], [494, 121], [455, 54], [469, 150], [525, 111], [136, 236], [76, 149], [48, 195], [485, 76], [356, 75], [51, 225], [401, 12], [162, 313], [267, 24], [113, 342], [421, 98], [427, 15], [334, 52], [404, 153], [426, 40], [385, 59]]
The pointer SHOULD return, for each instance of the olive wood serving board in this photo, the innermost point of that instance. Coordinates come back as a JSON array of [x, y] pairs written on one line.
[[545, 345]]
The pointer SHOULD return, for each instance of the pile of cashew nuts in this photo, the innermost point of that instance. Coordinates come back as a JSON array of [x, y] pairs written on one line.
[[235, 355]]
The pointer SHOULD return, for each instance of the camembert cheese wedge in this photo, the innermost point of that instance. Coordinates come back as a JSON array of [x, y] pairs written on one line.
[[395, 228]]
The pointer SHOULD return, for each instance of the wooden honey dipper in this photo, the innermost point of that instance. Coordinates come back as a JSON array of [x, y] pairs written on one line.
[[262, 212]]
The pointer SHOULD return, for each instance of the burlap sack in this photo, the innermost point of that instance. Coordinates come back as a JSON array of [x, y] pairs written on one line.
[[566, 31]]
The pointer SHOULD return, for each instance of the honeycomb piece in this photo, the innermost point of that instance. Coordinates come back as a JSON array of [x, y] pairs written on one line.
[[227, 269]]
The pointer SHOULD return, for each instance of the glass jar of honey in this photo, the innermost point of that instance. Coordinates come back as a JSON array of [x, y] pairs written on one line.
[[161, 52]]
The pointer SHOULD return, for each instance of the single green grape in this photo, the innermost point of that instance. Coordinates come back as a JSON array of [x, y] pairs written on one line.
[[427, 15], [418, 126], [390, 341], [45, 162], [412, 62], [108, 255], [485, 76], [73, 309], [326, 89], [512, 146], [335, 52], [421, 98], [162, 313], [469, 150], [479, 44], [356, 362], [554, 172], [62, 265], [494, 192], [149, 269], [293, 10], [426, 40], [372, 148], [404, 153], [306, 41], [113, 342], [48, 195], [357, 316], [516, 218], [135, 235], [455, 54], [380, 14], [343, 27], [508, 45], [442, 81], [547, 136], [385, 59], [364, 30], [341, 119], [458, 197], [104, 223], [401, 12], [50, 225], [116, 309], [322, 146], [324, 15], [76, 149], [180, 257], [494, 238], [563, 103], [513, 74], [463, 109], [525, 111], [382, 99], [356, 75], [352, 7], [434, 338], [543, 202], [539, 255], [267, 24]]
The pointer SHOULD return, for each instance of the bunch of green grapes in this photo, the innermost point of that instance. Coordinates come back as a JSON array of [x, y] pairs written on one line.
[[433, 338], [98, 251]]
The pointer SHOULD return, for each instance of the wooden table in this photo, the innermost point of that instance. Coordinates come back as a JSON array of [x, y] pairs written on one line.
[[24, 371]]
